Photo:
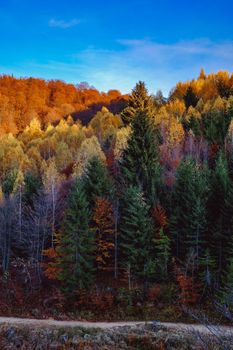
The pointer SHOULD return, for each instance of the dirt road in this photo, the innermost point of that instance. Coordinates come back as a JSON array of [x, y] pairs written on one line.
[[106, 325]]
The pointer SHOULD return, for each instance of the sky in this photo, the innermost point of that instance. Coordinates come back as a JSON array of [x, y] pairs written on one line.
[[113, 44]]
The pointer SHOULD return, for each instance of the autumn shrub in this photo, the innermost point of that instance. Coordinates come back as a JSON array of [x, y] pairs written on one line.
[[154, 293]]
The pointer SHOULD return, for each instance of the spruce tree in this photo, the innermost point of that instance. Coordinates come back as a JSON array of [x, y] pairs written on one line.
[[135, 234], [226, 293], [189, 210], [207, 270], [196, 235], [218, 215], [228, 223], [139, 164], [162, 254], [75, 250], [190, 98], [96, 181], [32, 187], [9, 181], [139, 100]]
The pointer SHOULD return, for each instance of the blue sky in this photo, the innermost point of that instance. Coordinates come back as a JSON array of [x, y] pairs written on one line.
[[113, 44]]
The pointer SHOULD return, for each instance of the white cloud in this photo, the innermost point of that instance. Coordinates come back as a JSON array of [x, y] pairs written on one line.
[[63, 24]]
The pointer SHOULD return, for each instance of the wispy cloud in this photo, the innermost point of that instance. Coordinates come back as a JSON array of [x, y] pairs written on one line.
[[61, 23], [160, 65]]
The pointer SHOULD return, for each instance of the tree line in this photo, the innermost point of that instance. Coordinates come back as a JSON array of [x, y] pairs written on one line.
[[146, 194]]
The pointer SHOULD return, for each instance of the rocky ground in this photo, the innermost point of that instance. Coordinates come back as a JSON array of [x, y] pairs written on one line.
[[142, 337]]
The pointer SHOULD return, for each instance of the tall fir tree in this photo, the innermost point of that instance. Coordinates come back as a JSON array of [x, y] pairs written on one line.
[[218, 215], [139, 164], [162, 254], [189, 210], [32, 186], [136, 234], [139, 100], [190, 98], [76, 244], [96, 181], [226, 292]]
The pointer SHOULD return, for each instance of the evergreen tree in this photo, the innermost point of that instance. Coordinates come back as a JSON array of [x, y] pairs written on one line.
[[226, 294], [228, 222], [207, 270], [216, 122], [75, 250], [96, 181], [9, 181], [135, 234], [190, 98], [196, 235], [189, 210], [218, 215], [139, 164], [32, 186], [139, 100], [163, 254]]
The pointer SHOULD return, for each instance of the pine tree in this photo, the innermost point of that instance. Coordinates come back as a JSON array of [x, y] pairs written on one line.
[[139, 100], [32, 186], [163, 254], [207, 270], [139, 164], [96, 181], [9, 181], [227, 213], [226, 293], [218, 218], [75, 251], [189, 210], [190, 98], [135, 234], [196, 235]]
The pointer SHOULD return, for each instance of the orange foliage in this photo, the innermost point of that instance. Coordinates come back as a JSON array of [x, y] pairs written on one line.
[[188, 288], [160, 216], [206, 87], [50, 268], [103, 224], [98, 300], [23, 99], [154, 293]]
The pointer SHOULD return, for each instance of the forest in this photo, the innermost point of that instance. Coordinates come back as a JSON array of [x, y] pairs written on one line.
[[116, 206]]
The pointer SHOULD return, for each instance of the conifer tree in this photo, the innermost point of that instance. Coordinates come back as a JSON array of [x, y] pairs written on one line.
[[96, 181], [189, 210], [190, 98], [139, 100], [75, 250], [9, 181], [135, 234], [218, 215], [32, 186], [163, 254], [139, 164], [226, 293], [227, 213], [207, 270]]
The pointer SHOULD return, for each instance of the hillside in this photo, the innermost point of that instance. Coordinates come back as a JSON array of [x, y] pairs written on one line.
[[125, 216], [23, 99]]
